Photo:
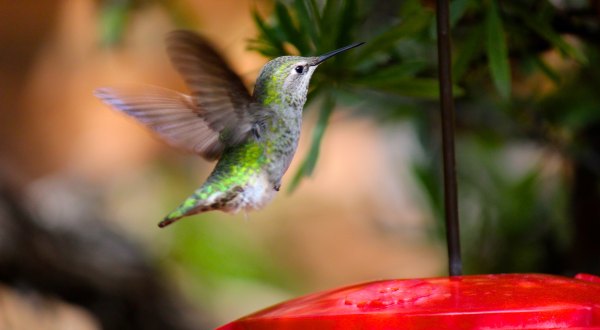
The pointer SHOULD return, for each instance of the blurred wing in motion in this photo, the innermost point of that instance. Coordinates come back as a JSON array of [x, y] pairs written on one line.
[[217, 91], [170, 114], [219, 113]]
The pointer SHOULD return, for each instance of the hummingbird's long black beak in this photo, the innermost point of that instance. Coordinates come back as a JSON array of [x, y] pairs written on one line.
[[332, 53]]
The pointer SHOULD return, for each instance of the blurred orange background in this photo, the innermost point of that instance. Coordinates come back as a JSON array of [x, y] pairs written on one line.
[[358, 218]]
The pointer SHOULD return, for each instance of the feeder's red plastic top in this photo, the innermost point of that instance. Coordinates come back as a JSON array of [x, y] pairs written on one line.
[[507, 301]]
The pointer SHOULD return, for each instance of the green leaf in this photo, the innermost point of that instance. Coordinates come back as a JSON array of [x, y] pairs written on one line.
[[497, 51], [546, 69], [466, 52], [268, 34], [308, 22], [393, 73], [347, 23], [289, 31], [544, 30], [458, 8], [426, 88], [308, 164], [264, 48], [315, 15], [408, 27], [330, 18]]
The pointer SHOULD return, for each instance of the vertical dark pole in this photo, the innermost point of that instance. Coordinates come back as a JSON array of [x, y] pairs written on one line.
[[447, 107]]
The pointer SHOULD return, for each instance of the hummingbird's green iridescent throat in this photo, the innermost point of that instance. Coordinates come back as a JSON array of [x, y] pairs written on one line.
[[253, 136]]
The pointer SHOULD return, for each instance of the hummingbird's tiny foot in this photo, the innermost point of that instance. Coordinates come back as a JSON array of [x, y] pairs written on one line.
[[258, 128], [256, 133], [277, 187]]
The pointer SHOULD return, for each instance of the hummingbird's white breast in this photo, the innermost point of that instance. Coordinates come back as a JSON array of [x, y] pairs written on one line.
[[256, 194]]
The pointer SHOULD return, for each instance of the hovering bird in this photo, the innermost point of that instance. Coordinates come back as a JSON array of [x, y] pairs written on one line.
[[254, 137]]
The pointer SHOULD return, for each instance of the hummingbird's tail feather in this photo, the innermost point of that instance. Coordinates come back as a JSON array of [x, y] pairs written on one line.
[[190, 206], [177, 214], [203, 200]]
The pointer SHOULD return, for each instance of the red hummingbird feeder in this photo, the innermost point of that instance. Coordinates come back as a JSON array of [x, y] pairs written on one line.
[[503, 301], [506, 301]]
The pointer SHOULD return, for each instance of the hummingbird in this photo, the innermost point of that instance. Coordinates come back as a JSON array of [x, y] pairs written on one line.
[[253, 136]]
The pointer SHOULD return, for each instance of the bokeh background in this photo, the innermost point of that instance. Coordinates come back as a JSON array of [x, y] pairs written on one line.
[[83, 187]]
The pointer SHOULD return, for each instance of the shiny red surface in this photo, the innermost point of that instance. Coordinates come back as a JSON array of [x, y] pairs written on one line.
[[508, 301]]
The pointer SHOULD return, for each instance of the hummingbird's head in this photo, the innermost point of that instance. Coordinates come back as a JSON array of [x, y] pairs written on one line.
[[284, 80]]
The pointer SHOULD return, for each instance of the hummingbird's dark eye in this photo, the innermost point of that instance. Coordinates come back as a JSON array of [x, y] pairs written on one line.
[[299, 69]]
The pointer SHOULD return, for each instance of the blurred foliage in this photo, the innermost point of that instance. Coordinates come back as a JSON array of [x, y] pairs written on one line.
[[523, 77], [512, 220], [310, 29]]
